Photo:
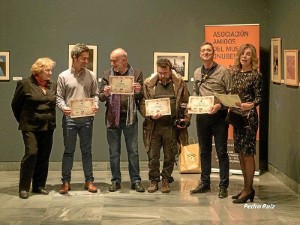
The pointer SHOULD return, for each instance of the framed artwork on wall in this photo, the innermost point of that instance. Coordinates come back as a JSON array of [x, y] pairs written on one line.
[[291, 67], [276, 60], [92, 65], [4, 65], [180, 62]]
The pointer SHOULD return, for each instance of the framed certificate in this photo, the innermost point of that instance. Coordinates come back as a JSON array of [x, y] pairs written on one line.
[[82, 107], [156, 106], [122, 85], [200, 104]]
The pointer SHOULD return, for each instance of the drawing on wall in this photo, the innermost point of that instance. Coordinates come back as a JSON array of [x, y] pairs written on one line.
[[180, 62], [291, 67], [92, 65], [276, 60], [4, 65]]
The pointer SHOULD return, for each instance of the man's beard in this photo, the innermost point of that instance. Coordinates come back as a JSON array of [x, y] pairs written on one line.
[[164, 81]]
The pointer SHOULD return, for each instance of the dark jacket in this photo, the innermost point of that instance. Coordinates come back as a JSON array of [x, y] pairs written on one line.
[[138, 78], [32, 108], [182, 96]]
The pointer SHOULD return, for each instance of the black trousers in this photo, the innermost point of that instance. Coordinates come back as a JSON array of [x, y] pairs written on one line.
[[35, 162], [209, 126]]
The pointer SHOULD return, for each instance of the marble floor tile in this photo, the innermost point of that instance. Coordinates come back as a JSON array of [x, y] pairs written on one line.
[[274, 203]]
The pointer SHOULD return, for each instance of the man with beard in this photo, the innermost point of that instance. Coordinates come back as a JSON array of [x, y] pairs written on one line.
[[165, 131]]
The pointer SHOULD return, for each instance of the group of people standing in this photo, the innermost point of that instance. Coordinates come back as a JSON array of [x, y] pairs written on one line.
[[36, 98]]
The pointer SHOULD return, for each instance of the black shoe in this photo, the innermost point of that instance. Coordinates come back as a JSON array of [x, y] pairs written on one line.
[[239, 194], [24, 194], [138, 187], [236, 196], [40, 190], [202, 188], [114, 186], [245, 199], [223, 193]]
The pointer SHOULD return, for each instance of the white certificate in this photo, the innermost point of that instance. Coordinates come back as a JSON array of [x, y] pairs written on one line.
[[82, 107], [156, 106], [200, 104], [228, 100], [122, 85]]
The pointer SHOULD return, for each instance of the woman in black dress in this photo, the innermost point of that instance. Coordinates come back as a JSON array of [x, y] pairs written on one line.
[[247, 83], [33, 106]]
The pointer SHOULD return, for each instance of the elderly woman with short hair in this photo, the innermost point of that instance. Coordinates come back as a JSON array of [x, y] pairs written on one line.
[[33, 106]]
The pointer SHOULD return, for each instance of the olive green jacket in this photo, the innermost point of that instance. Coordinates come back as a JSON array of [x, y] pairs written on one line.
[[181, 95]]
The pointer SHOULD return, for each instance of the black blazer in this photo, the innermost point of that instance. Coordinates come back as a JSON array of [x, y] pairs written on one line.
[[32, 108]]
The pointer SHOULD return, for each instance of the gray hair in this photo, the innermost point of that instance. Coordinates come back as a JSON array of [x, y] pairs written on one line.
[[119, 52]]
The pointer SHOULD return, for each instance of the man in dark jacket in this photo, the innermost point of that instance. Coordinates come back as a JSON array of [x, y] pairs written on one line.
[[121, 116]]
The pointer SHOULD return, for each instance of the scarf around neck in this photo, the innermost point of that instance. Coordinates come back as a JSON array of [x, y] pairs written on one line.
[[114, 106]]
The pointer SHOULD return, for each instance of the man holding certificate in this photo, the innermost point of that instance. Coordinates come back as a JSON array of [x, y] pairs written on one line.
[[77, 98], [209, 79], [166, 121], [121, 90]]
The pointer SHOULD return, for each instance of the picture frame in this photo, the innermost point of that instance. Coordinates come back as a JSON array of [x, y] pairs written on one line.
[[4, 66], [291, 67], [92, 65], [180, 62], [276, 60]]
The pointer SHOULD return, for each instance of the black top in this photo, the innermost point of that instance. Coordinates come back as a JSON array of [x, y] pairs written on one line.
[[248, 85], [32, 108]]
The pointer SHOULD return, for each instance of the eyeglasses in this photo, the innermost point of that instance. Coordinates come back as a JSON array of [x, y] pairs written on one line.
[[163, 73]]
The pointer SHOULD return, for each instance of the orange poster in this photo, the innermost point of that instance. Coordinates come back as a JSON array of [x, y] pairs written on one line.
[[228, 38]]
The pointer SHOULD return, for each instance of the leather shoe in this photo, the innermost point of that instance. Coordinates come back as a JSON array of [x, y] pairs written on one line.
[[89, 185], [65, 187], [202, 188], [114, 187], [138, 187], [24, 194], [223, 193], [40, 190]]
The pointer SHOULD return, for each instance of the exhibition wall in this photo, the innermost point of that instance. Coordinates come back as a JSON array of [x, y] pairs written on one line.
[[31, 29], [284, 107]]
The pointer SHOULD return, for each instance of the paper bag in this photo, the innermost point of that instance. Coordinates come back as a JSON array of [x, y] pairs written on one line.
[[189, 159]]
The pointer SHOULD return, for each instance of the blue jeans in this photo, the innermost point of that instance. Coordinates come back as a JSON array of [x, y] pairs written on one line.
[[82, 126], [209, 126], [131, 140]]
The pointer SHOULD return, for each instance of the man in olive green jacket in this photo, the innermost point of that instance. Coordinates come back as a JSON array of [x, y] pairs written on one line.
[[167, 131]]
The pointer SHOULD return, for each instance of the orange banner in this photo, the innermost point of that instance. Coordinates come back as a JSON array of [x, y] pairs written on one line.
[[228, 38]]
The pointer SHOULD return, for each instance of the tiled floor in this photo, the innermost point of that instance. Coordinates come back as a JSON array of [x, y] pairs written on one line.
[[129, 207]]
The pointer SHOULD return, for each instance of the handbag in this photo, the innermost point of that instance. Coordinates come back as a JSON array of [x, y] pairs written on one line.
[[189, 158], [237, 119]]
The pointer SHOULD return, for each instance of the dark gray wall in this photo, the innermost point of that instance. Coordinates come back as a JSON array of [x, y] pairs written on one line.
[[284, 120], [30, 29]]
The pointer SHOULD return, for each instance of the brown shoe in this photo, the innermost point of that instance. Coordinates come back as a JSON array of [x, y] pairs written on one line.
[[153, 186], [165, 188], [65, 187], [89, 185]]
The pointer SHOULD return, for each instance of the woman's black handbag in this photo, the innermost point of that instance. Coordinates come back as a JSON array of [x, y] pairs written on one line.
[[237, 119]]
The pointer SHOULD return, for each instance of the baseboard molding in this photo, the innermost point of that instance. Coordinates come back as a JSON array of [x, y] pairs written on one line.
[[284, 179]]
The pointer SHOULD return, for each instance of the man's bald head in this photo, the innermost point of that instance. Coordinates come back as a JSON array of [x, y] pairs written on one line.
[[118, 60]]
